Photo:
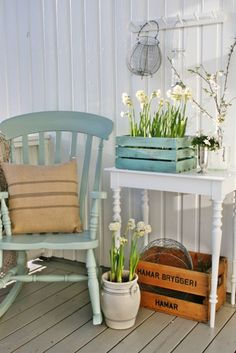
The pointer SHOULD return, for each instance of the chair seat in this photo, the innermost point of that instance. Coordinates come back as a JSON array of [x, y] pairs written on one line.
[[66, 241]]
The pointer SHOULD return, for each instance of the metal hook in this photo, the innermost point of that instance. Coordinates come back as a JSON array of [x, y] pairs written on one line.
[[214, 14], [179, 19], [163, 18], [196, 16]]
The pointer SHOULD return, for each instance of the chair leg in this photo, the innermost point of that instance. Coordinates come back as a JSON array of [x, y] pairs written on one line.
[[11, 296], [93, 287]]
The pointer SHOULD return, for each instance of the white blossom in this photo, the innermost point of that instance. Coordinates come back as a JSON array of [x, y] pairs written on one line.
[[148, 229], [207, 142], [126, 99], [140, 94], [122, 240], [114, 226], [156, 93], [131, 223], [140, 226]]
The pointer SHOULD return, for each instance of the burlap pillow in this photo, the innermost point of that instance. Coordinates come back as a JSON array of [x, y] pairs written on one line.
[[43, 199]]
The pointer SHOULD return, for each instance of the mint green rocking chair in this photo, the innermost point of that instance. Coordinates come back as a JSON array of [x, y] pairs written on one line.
[[83, 129]]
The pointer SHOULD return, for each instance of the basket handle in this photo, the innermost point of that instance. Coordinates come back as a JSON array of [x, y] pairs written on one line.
[[146, 24]]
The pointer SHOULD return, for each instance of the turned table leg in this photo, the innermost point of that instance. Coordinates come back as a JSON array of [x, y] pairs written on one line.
[[116, 211], [216, 244], [233, 278]]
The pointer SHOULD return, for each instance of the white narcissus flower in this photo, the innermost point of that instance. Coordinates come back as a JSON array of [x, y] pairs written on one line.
[[140, 226], [122, 114], [187, 93], [148, 229], [126, 99], [114, 226], [141, 233], [177, 89], [161, 102], [131, 223], [156, 93], [207, 142], [139, 94], [122, 240]]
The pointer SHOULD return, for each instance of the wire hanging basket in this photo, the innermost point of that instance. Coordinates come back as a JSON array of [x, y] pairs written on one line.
[[145, 58], [167, 252]]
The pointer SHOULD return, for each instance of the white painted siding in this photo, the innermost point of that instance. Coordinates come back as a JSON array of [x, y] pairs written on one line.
[[71, 54]]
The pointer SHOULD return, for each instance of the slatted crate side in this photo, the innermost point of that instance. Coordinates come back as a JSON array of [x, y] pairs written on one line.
[[193, 284], [180, 279], [154, 153], [156, 165], [154, 142], [174, 306], [173, 278]]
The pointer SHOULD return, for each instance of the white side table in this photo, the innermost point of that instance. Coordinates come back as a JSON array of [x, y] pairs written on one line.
[[216, 185]]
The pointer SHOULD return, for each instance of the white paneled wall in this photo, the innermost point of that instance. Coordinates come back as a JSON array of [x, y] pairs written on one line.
[[71, 54]]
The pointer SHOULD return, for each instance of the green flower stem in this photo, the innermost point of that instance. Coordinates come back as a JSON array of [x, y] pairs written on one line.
[[120, 264]]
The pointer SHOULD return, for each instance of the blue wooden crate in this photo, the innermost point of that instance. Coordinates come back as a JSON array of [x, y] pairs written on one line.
[[155, 154]]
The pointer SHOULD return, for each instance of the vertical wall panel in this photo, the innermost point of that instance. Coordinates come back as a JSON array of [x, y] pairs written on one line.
[[25, 89], [92, 46], [50, 54], [71, 54], [191, 58], [64, 55], [3, 64], [12, 56], [108, 98], [78, 60], [37, 55]]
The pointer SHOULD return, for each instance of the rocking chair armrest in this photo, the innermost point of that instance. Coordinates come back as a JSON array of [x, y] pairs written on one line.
[[98, 195]]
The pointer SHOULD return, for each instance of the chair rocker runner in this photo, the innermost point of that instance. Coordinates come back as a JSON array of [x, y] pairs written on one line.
[[40, 195]]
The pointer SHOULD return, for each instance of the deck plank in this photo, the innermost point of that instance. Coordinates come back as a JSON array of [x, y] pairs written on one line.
[[78, 338], [65, 292], [144, 334], [51, 327], [225, 341], [109, 338], [146, 326], [166, 340], [205, 332], [30, 298]]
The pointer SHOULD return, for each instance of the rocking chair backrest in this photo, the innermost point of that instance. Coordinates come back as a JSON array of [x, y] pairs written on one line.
[[58, 122]]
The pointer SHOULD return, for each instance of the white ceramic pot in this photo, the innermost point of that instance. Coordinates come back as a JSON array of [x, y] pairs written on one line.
[[120, 302]]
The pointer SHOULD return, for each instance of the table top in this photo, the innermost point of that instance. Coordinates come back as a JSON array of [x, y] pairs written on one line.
[[216, 184]]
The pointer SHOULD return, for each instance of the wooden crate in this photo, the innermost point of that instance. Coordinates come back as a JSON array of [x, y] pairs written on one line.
[[186, 291], [155, 154]]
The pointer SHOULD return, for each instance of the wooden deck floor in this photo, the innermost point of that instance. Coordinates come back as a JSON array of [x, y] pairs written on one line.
[[56, 318]]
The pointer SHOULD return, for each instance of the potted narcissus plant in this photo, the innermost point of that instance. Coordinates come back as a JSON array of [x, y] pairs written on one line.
[[120, 296], [156, 140]]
